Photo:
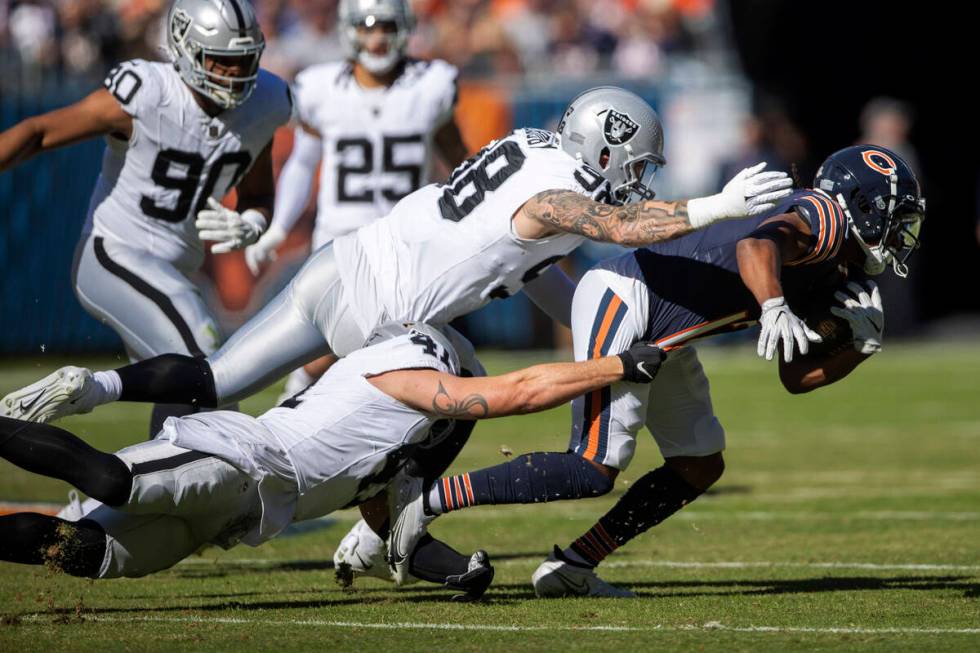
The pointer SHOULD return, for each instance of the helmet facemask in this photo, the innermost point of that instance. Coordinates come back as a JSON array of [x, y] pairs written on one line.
[[892, 237], [196, 63], [395, 41], [357, 26], [638, 175]]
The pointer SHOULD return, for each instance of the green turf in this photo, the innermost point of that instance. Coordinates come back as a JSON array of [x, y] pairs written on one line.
[[854, 512]]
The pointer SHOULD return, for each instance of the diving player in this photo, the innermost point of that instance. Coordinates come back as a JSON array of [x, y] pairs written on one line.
[[497, 226], [224, 477], [179, 136], [863, 215], [373, 121]]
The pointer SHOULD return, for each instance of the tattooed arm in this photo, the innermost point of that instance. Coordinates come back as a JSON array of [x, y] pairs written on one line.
[[524, 391], [750, 192], [633, 225]]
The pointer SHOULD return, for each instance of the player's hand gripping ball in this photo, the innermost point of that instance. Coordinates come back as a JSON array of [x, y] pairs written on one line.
[[641, 362]]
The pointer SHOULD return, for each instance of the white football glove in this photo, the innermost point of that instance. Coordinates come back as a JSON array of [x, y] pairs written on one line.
[[750, 192], [864, 313], [230, 229], [263, 251], [781, 324]]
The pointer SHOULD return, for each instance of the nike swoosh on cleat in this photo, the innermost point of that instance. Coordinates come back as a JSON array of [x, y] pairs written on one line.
[[26, 407], [579, 588]]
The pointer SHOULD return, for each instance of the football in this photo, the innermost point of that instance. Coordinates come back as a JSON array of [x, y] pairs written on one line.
[[835, 331]]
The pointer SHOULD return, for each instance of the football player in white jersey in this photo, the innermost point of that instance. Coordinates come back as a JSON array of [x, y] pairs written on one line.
[[224, 477], [373, 121], [179, 136], [500, 222]]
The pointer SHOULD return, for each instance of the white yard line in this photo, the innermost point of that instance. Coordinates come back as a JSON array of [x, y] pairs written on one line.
[[799, 565], [709, 626], [673, 564]]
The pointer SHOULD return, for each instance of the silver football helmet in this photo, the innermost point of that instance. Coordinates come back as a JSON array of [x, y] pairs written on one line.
[[398, 14], [620, 135], [224, 32]]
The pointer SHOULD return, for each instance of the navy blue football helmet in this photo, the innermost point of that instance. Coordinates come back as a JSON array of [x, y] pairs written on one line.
[[883, 202]]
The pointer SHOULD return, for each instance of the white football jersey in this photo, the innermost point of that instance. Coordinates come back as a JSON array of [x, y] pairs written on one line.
[[376, 141], [152, 186], [448, 249], [334, 445]]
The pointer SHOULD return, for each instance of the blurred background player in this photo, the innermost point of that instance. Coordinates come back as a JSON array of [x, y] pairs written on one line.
[[372, 122], [862, 217], [179, 136]]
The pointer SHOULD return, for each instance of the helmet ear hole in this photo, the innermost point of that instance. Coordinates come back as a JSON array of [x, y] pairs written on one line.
[[862, 202], [604, 158]]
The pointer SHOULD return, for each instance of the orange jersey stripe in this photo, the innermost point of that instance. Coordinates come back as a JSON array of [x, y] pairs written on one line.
[[469, 488], [595, 398], [831, 241], [821, 236], [607, 319]]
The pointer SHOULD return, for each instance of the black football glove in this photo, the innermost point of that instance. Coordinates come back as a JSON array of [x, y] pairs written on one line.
[[641, 362]]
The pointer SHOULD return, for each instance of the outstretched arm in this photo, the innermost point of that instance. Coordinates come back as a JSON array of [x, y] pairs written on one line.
[[529, 390], [641, 223], [99, 113], [750, 192]]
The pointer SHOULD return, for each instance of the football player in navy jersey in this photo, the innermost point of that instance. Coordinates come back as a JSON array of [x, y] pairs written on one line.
[[810, 256]]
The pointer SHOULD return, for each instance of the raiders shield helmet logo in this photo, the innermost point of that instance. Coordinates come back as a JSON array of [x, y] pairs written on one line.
[[618, 128]]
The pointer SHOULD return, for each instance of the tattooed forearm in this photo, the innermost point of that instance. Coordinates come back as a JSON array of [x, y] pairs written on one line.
[[474, 406], [636, 224]]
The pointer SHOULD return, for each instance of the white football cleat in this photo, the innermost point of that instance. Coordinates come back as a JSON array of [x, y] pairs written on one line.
[[361, 553], [408, 523], [554, 578], [69, 391]]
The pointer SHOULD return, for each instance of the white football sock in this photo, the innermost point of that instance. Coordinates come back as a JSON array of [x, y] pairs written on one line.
[[110, 384]]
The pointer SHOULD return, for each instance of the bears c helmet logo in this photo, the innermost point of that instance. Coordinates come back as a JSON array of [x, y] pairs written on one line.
[[879, 161]]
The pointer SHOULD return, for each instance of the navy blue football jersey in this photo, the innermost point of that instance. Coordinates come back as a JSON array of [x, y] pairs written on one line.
[[694, 284]]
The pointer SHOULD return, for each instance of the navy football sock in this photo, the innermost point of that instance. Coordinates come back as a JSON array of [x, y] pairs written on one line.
[[654, 497], [531, 478]]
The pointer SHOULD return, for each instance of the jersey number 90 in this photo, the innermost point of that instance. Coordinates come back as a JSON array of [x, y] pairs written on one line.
[[182, 172]]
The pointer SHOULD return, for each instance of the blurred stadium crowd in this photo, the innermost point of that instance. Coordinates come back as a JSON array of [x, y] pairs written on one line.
[[629, 38], [520, 61]]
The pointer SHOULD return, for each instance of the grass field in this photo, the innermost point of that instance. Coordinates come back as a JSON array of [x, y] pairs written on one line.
[[849, 518]]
